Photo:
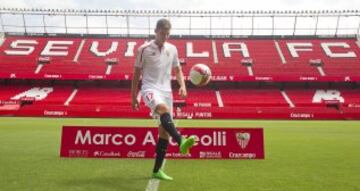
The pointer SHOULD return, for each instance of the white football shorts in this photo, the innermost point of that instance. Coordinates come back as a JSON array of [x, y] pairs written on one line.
[[152, 98]]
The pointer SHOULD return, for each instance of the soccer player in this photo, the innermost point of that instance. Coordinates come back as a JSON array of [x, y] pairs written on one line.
[[155, 61]]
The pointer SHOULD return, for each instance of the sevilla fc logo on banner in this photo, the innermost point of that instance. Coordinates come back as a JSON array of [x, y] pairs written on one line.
[[243, 139]]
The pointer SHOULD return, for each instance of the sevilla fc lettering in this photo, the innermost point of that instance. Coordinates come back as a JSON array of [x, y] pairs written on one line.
[[193, 49]]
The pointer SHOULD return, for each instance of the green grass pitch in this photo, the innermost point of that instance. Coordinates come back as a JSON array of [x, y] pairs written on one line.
[[300, 156]]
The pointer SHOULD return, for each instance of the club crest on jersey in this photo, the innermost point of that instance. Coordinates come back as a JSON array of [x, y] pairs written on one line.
[[243, 139], [167, 53]]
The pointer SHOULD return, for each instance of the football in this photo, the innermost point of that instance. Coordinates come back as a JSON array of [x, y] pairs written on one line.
[[200, 74]]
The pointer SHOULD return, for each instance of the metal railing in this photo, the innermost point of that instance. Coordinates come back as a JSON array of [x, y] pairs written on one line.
[[209, 23]]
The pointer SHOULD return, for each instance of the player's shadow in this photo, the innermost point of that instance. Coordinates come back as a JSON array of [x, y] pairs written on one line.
[[108, 183]]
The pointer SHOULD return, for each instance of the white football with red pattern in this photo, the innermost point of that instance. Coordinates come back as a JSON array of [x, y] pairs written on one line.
[[200, 74]]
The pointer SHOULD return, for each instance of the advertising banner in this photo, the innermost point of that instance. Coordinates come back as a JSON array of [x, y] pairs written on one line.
[[140, 142]]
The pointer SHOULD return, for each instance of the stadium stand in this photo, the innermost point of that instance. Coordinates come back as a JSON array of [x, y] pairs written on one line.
[[252, 78], [278, 60]]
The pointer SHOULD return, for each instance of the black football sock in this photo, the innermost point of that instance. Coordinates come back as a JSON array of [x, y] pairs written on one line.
[[168, 124], [161, 148]]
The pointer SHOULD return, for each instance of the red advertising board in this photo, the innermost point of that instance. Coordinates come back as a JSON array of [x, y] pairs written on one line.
[[139, 142]]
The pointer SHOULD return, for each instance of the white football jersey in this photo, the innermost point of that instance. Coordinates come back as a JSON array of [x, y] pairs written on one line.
[[156, 65]]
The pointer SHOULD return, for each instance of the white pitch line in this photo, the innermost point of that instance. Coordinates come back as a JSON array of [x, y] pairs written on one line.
[[153, 184]]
